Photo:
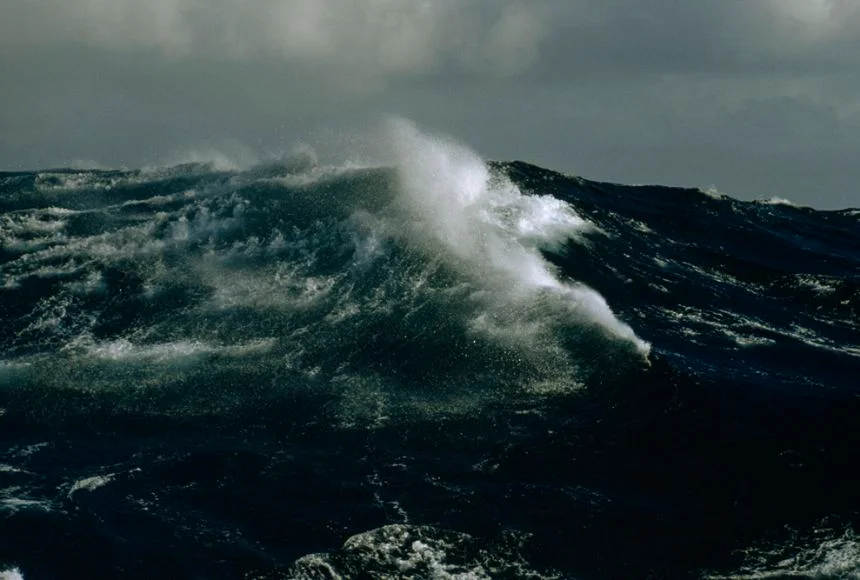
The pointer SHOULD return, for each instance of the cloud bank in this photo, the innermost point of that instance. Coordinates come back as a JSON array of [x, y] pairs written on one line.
[[374, 37], [758, 97]]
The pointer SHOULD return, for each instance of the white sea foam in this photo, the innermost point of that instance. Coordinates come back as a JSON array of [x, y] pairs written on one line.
[[744, 331], [16, 504], [25, 232], [29, 450], [747, 331], [91, 483], [776, 201], [160, 200], [812, 338], [834, 558], [285, 287], [712, 192], [818, 284], [5, 468], [14, 499], [125, 350], [39, 223], [495, 232], [144, 243], [71, 182], [11, 574], [401, 550]]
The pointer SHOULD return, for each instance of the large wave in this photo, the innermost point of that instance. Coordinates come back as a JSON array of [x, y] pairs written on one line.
[[407, 287]]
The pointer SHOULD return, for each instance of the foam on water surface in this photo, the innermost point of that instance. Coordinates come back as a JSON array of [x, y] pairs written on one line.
[[495, 231], [406, 551]]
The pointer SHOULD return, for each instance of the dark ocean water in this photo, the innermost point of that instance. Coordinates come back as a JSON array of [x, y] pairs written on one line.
[[445, 369]]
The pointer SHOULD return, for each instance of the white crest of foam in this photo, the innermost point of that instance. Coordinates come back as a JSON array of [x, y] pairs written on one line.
[[712, 192], [494, 230], [401, 548], [6, 468], [13, 499], [91, 483], [776, 201], [408, 551], [11, 574], [818, 284]]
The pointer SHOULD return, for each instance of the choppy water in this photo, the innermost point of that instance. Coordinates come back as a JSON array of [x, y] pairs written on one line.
[[446, 368]]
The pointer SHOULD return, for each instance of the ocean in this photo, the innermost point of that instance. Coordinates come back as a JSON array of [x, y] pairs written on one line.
[[441, 368]]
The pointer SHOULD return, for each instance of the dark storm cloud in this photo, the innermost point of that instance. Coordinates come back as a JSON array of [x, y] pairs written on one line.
[[757, 97]]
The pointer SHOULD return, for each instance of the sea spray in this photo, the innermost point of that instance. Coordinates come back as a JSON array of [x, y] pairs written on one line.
[[451, 200]]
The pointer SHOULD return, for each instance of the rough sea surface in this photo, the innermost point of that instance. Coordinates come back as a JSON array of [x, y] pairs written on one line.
[[442, 369]]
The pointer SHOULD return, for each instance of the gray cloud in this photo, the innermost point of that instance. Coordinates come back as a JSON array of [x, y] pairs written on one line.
[[366, 38], [758, 97]]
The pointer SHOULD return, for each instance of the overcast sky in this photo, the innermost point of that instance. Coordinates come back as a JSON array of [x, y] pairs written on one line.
[[758, 98]]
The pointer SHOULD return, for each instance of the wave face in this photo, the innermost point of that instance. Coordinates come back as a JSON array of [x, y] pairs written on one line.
[[446, 368]]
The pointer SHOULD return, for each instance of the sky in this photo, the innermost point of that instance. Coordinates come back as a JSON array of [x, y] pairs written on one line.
[[756, 98]]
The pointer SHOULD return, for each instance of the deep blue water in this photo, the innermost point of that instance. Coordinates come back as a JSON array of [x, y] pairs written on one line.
[[442, 369]]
